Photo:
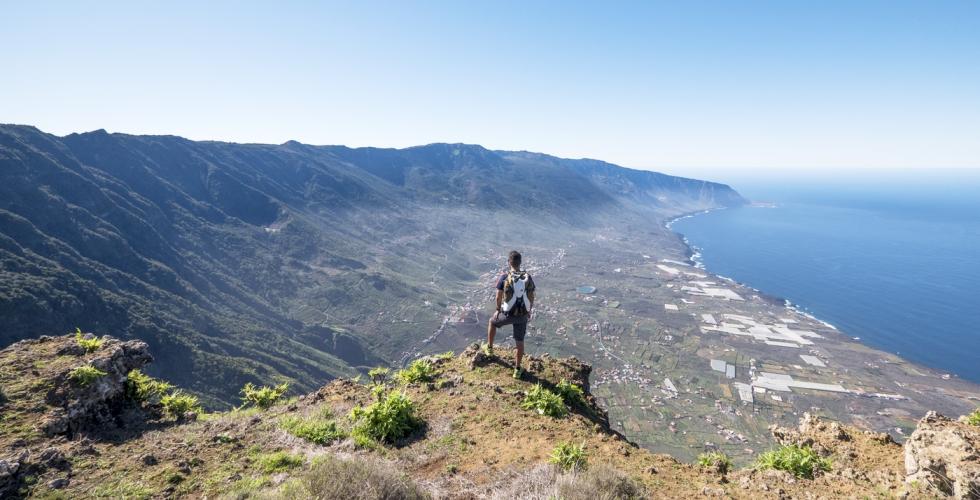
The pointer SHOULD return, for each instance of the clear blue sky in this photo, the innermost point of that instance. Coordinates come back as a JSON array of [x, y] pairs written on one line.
[[675, 86]]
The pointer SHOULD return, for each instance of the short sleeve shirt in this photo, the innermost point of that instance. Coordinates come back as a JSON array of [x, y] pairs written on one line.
[[500, 281]]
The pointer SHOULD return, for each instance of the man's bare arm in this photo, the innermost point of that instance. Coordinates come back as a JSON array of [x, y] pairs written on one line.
[[500, 298]]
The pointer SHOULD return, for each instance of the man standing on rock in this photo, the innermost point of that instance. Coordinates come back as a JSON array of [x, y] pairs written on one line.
[[515, 298]]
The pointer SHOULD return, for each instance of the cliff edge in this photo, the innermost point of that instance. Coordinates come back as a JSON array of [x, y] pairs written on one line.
[[79, 420]]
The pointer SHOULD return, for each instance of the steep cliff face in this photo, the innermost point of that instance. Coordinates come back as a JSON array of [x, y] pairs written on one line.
[[473, 435], [240, 262]]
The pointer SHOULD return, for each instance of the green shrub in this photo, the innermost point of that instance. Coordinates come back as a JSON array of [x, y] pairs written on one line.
[[143, 388], [974, 418], [570, 393], [177, 403], [715, 460], [544, 402], [444, 356], [568, 456], [420, 370], [391, 417], [90, 345], [279, 461], [362, 440], [263, 397], [378, 391], [800, 461], [85, 375], [378, 375], [317, 430], [331, 477]]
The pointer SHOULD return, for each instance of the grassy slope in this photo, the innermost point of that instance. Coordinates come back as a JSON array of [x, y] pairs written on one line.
[[477, 440]]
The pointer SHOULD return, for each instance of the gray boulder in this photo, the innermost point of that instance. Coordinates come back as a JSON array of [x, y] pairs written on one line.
[[946, 455], [95, 404]]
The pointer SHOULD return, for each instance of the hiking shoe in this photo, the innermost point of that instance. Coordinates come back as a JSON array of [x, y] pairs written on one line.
[[488, 349], [518, 373]]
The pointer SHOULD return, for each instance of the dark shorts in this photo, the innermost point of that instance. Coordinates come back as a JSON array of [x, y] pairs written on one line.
[[500, 319]]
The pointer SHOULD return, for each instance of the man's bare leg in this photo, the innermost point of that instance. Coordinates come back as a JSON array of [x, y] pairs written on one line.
[[520, 353], [491, 333]]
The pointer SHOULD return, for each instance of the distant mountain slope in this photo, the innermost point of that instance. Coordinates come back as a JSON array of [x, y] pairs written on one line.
[[240, 262]]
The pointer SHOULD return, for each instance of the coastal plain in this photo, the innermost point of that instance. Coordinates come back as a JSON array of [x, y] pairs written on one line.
[[686, 361]]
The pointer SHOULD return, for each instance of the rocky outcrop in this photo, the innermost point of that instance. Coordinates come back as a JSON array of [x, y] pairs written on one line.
[[76, 406], [571, 368], [821, 435], [946, 455], [10, 467]]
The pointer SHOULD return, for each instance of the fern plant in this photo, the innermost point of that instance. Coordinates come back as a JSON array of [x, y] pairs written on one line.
[[263, 397], [86, 374], [391, 417], [90, 345], [715, 460], [569, 456], [544, 402], [420, 370], [378, 375], [570, 393], [143, 388], [974, 418], [801, 461], [178, 403]]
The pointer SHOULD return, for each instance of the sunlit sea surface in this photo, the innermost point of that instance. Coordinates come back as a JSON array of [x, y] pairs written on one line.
[[897, 266]]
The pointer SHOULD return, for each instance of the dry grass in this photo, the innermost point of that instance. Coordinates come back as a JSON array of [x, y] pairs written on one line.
[[601, 482], [355, 479]]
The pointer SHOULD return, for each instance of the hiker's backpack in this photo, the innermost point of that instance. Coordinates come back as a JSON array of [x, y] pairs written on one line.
[[516, 287]]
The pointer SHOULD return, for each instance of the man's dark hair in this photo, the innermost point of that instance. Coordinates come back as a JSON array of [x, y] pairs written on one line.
[[514, 259]]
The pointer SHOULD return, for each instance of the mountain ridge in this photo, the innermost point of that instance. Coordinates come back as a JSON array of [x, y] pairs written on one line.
[[633, 173], [232, 260]]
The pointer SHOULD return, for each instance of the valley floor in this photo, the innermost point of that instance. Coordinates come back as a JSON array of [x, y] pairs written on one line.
[[686, 361]]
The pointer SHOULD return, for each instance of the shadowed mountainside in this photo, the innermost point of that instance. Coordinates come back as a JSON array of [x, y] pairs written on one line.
[[245, 262]]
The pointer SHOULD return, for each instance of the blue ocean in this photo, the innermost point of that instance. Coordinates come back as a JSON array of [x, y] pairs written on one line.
[[894, 262]]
